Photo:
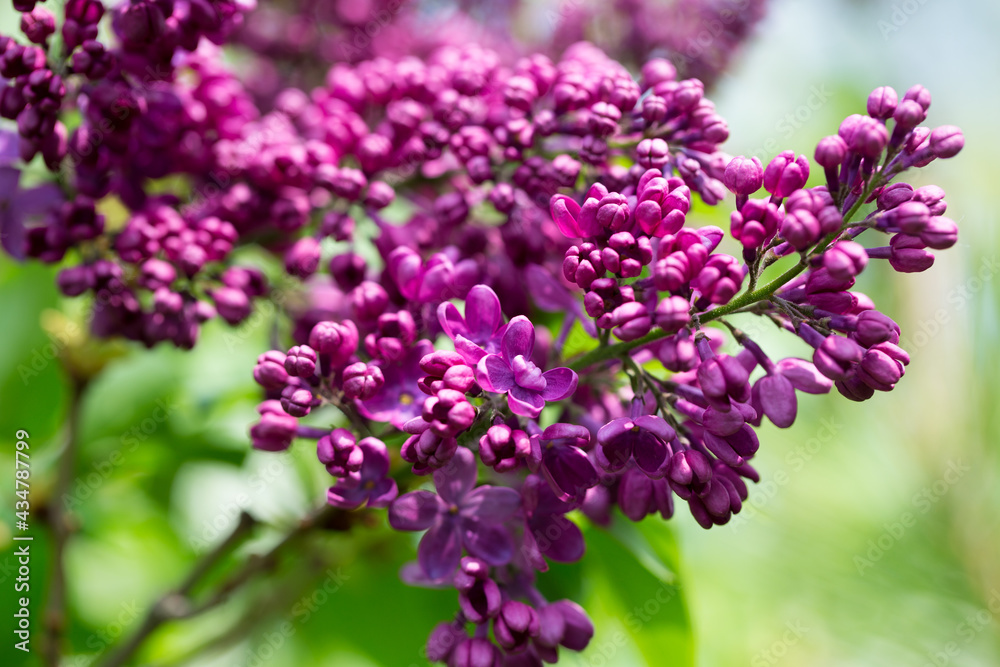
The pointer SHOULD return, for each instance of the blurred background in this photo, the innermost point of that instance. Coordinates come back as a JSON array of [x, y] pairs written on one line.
[[872, 539]]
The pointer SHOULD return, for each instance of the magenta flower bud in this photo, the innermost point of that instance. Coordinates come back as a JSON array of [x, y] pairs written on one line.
[[723, 378], [156, 273], [520, 93], [139, 24], [232, 304], [362, 381], [830, 152], [339, 340], [744, 175], [75, 280], [893, 195], [369, 300], [882, 366], [908, 115], [911, 217], [933, 197], [604, 119], [504, 448], [873, 327], [631, 320], [657, 70], [689, 467], [882, 102], [755, 223], [654, 109], [302, 259], [475, 652], [270, 370], [251, 281], [394, 333], [845, 260], [869, 138], [338, 225], [677, 353], [427, 451], [348, 269], [946, 141], [920, 95], [340, 453], [720, 279], [582, 264], [301, 361], [566, 213], [801, 229], [613, 212], [449, 413], [625, 255], [672, 313], [940, 233], [443, 640], [502, 197], [836, 356], [275, 430], [909, 254], [785, 174], [652, 153], [38, 24], [296, 401], [515, 625], [478, 596]]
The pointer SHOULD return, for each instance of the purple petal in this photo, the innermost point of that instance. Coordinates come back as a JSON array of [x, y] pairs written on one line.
[[345, 497], [559, 383], [415, 510], [721, 448], [491, 504], [804, 376], [777, 399], [569, 471], [492, 543], [561, 431], [482, 313], [457, 478], [440, 549], [565, 212], [558, 538], [376, 461], [658, 426], [546, 291], [451, 320], [635, 495], [649, 452], [494, 374], [525, 402], [383, 493], [470, 352], [519, 339]]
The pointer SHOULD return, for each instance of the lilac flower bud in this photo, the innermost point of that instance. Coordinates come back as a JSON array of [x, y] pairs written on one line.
[[625, 255], [920, 95], [689, 467], [348, 269], [394, 333], [908, 254], [448, 413], [427, 451], [652, 153], [720, 279], [946, 141], [604, 119], [564, 623], [340, 453], [893, 195], [478, 596], [869, 138], [677, 353], [515, 625], [755, 223], [502, 197], [775, 394], [275, 430], [339, 340], [301, 361], [251, 281], [362, 381], [785, 174], [845, 259], [873, 327], [654, 109], [270, 370], [296, 401], [443, 640], [369, 300], [882, 103], [475, 652], [662, 205], [38, 24], [910, 217], [657, 70], [830, 152], [723, 378], [75, 280], [933, 197], [631, 320], [232, 304], [882, 366], [836, 356], [908, 115], [504, 448], [302, 258], [744, 175], [582, 264], [613, 212], [338, 225], [672, 313], [940, 233]]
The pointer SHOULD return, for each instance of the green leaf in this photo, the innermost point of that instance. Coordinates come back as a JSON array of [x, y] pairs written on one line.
[[578, 342], [632, 568]]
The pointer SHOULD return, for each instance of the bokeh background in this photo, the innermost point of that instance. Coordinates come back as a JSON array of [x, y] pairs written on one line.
[[873, 538]]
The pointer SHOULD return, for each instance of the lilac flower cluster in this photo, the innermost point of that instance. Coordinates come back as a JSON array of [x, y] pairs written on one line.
[[449, 224]]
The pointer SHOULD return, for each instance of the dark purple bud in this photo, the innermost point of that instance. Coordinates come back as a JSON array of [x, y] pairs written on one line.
[[275, 430], [631, 320], [296, 401], [301, 361], [38, 24], [940, 233], [232, 304], [340, 453], [744, 175], [672, 313], [448, 413], [830, 152], [845, 260], [475, 652], [348, 269], [836, 356], [339, 340], [677, 353], [785, 174], [369, 300], [869, 138], [504, 448], [909, 114], [302, 259], [882, 103], [909, 254], [946, 141], [270, 370], [873, 327], [75, 280], [652, 153], [362, 381], [893, 195], [516, 624], [920, 95], [443, 640]]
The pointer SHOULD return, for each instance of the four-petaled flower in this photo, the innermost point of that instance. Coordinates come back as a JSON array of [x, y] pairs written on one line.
[[456, 517], [513, 373], [480, 331], [373, 486]]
